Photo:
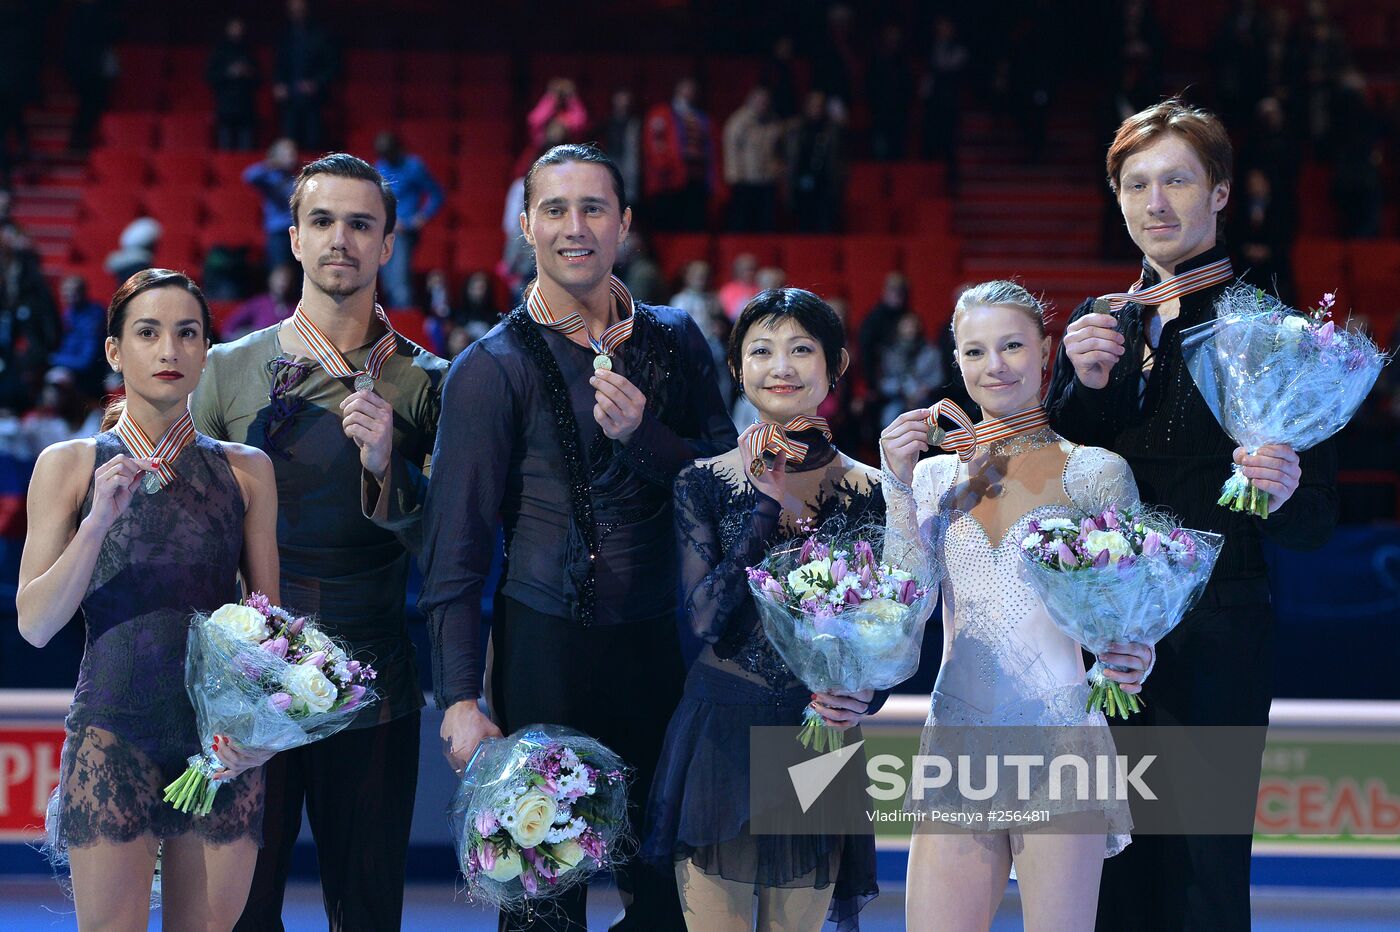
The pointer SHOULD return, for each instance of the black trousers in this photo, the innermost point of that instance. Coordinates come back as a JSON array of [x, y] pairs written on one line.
[[1216, 668], [358, 787], [616, 683]]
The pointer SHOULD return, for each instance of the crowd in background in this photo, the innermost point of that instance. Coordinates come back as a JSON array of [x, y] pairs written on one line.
[[855, 86]]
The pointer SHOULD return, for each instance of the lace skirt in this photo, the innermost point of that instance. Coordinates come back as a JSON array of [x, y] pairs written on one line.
[[1050, 725], [699, 806]]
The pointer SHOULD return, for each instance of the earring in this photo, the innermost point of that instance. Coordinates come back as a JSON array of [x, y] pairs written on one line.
[[831, 386]]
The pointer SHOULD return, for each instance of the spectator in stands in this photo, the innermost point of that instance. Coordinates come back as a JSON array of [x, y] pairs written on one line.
[[889, 94], [90, 63], [420, 198], [911, 370], [696, 297], [136, 249], [1323, 59], [678, 160], [233, 77], [273, 178], [1274, 148], [835, 61], [1237, 57], [20, 43], [940, 90], [478, 310], [780, 77], [753, 164], [64, 412], [84, 331], [29, 324], [878, 328], [742, 285], [306, 62], [816, 171], [274, 305], [770, 277], [622, 138], [561, 104], [639, 271], [1356, 152], [1261, 234]]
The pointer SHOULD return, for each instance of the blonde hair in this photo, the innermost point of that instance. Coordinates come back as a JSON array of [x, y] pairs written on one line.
[[999, 293]]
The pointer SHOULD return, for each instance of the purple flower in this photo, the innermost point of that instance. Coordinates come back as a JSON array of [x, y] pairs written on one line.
[[280, 702], [1101, 560], [757, 575], [1326, 333], [1125, 562], [908, 592], [1151, 544], [486, 855], [1087, 527], [773, 589], [1109, 520], [808, 546], [486, 822], [592, 844], [354, 695], [1035, 527], [529, 880], [864, 552], [1328, 300], [294, 629], [352, 669], [317, 659], [277, 647], [852, 597], [839, 569], [1066, 555], [260, 604]]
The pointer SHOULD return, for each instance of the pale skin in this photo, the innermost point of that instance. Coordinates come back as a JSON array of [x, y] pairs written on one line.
[[1170, 208], [957, 881], [339, 240], [575, 223], [204, 885]]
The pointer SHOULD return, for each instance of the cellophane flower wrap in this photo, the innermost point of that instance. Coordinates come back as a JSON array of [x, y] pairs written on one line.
[[1272, 374], [1116, 577], [536, 813], [267, 680], [841, 616]]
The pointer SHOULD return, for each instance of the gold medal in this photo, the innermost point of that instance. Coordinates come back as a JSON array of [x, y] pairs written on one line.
[[757, 467], [602, 361]]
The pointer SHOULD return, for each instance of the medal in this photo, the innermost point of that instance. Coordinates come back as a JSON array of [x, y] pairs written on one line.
[[150, 483], [936, 434], [178, 436], [330, 358], [364, 382], [757, 467], [612, 338], [602, 361]]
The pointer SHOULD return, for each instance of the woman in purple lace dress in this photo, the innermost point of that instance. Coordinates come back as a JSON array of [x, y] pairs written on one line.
[[140, 526]]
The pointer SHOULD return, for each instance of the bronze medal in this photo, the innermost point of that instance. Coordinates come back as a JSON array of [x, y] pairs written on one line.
[[757, 467], [364, 382]]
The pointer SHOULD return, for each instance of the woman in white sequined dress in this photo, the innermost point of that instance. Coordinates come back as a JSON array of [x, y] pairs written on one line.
[[1004, 661]]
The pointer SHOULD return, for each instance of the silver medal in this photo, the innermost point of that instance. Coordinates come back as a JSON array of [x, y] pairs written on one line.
[[602, 361], [364, 382], [150, 483], [936, 435]]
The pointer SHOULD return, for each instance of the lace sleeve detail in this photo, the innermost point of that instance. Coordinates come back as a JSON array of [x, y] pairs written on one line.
[[908, 508], [713, 577], [1096, 478]]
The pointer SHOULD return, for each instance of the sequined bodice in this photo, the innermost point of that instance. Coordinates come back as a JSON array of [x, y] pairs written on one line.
[[715, 522], [1004, 661]]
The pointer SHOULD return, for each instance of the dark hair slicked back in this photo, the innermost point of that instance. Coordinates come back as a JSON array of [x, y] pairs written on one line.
[[576, 152], [345, 165]]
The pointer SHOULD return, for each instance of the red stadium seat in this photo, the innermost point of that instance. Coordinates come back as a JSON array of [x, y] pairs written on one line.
[[117, 203], [489, 100], [868, 183], [371, 102], [674, 250], [812, 262], [487, 67], [766, 249], [428, 134], [411, 325], [1319, 267], [128, 130], [179, 167], [227, 168], [372, 65], [174, 206], [115, 165], [912, 181], [187, 131], [478, 249], [425, 99]]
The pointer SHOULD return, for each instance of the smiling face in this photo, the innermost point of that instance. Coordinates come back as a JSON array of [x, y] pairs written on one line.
[[575, 224], [784, 370], [339, 234], [1002, 357], [1168, 202], [162, 346]]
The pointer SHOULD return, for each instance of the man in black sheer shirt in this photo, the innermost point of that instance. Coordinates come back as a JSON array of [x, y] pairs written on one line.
[[570, 420], [1120, 382]]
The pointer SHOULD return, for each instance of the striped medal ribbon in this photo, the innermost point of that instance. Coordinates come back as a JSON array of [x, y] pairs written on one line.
[[1178, 286], [325, 353], [606, 345], [772, 439], [964, 439], [178, 436]]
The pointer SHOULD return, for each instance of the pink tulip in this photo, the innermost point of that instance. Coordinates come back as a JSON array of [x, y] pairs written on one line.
[[529, 881], [867, 576], [908, 592], [317, 659], [280, 702], [1101, 560], [1151, 544], [839, 569], [1110, 519], [1087, 527], [486, 823], [486, 854], [352, 669], [864, 552], [294, 629], [1066, 555], [277, 647], [773, 588], [852, 597], [808, 546]]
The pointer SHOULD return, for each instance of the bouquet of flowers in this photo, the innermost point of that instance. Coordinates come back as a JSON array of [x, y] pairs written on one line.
[[266, 679], [1115, 577], [1275, 375], [841, 618], [536, 813]]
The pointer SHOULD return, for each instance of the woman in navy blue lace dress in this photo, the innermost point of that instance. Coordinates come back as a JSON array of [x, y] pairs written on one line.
[[786, 352], [139, 527]]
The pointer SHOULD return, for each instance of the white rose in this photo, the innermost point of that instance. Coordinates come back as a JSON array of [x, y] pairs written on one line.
[[534, 814], [241, 622], [1115, 543], [568, 854], [309, 688], [1058, 524], [802, 580], [507, 866], [316, 640], [1295, 322]]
